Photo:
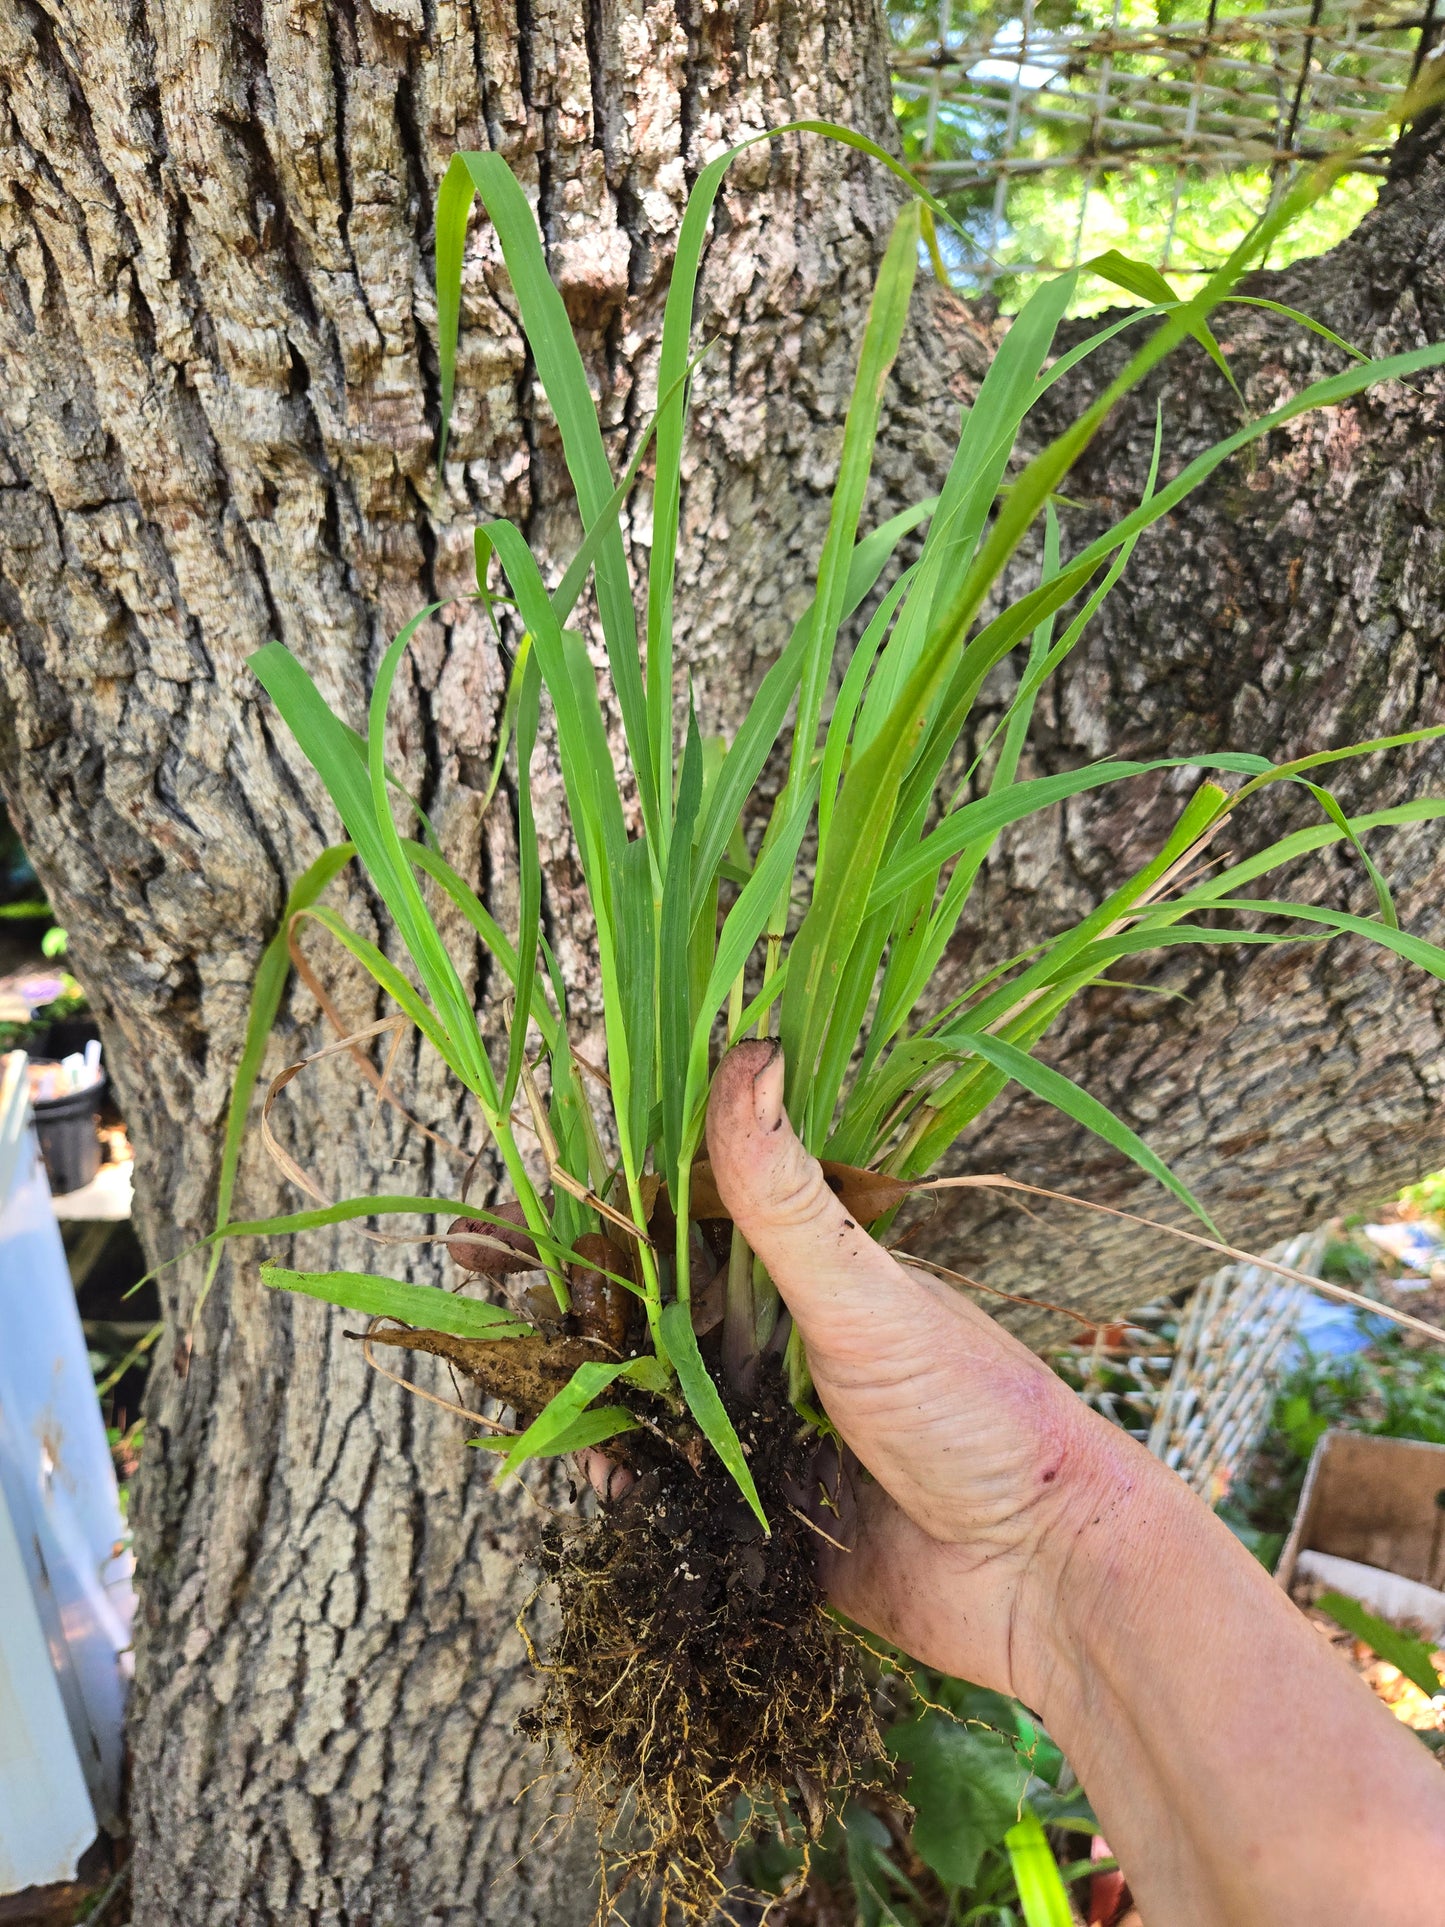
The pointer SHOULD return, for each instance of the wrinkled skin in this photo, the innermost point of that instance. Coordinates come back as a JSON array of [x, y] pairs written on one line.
[[965, 1435]]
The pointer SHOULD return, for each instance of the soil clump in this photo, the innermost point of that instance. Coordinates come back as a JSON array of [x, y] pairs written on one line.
[[694, 1662]]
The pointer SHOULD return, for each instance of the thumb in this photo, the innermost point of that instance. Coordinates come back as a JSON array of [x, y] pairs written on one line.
[[939, 1403], [842, 1288]]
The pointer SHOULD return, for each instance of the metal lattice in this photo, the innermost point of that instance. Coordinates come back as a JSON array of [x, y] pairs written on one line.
[[1197, 1385], [1054, 126]]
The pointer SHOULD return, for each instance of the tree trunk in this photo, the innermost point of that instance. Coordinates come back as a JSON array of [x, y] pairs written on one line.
[[220, 418], [217, 356]]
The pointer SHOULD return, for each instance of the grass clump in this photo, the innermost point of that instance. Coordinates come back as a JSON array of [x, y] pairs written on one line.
[[693, 1656]]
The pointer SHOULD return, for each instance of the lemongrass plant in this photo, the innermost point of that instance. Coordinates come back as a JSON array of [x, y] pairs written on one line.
[[868, 1085]]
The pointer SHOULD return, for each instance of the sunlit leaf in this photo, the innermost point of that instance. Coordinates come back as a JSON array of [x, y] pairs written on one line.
[[425, 1307]]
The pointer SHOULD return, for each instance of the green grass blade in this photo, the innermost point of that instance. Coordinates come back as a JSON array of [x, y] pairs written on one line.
[[1047, 469], [1301, 321], [329, 746], [760, 728], [908, 969], [646, 721], [1342, 823], [672, 418], [454, 199], [485, 925], [1038, 672], [1062, 364], [742, 927], [1424, 809], [385, 1205], [1329, 393], [753, 1013], [1138, 277], [364, 809], [575, 1132], [1199, 813], [862, 1133], [999, 637], [591, 782], [850, 695], [887, 315], [873, 552], [702, 938], [674, 981], [850, 1006], [454, 206], [1416, 950], [589, 1428], [1280, 772], [392, 874], [424, 1307], [856, 842], [1006, 394], [1403, 1651], [667, 479], [564, 596], [1021, 709], [358, 742], [990, 814], [1029, 1004], [946, 696], [514, 692], [924, 933], [557, 1417], [1065, 1095], [529, 882], [481, 556], [869, 802], [1043, 1896], [705, 1404], [970, 491], [1147, 935], [564, 380], [396, 986], [382, 1204], [636, 999]]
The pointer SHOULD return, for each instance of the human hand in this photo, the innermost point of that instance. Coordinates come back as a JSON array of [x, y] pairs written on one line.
[[981, 1459], [1011, 1536]]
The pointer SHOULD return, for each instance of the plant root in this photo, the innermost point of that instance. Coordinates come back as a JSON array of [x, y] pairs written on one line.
[[695, 1665]]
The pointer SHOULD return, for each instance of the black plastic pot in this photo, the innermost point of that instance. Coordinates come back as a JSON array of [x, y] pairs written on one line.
[[69, 1140]]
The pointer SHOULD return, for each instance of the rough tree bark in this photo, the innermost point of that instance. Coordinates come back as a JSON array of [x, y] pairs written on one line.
[[219, 410]]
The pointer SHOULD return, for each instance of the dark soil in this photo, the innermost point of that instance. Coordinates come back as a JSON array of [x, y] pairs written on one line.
[[695, 1662]]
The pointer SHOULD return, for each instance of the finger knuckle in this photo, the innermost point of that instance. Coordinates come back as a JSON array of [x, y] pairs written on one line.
[[800, 1194]]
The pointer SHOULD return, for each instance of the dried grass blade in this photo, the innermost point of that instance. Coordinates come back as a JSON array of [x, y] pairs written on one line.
[[1326, 1287], [392, 1026], [373, 1076], [266, 996]]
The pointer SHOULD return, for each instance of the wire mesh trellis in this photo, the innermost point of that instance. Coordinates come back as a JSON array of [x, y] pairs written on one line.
[[1232, 1344], [1056, 128], [1196, 1385]]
